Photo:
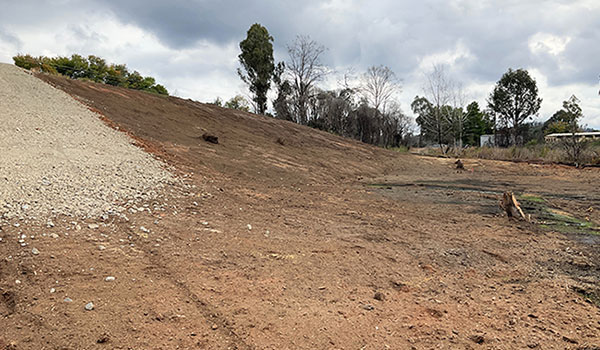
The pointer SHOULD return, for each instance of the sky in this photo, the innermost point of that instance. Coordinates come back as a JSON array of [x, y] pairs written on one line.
[[191, 47]]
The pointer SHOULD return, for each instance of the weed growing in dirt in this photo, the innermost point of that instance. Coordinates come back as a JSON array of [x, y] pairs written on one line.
[[554, 219], [532, 198]]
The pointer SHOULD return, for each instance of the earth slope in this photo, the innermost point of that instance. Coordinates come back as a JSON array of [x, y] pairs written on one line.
[[284, 237]]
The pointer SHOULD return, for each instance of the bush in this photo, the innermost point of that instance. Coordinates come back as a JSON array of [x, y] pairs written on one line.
[[92, 68], [553, 153]]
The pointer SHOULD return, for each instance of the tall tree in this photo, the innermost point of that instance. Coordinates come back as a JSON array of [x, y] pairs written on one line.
[[445, 97], [257, 60], [574, 145], [379, 86], [430, 119], [305, 69], [515, 99], [477, 124]]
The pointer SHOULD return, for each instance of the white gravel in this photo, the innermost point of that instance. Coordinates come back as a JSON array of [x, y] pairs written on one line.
[[57, 157]]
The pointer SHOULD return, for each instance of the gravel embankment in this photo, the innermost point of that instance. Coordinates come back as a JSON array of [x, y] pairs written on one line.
[[57, 157]]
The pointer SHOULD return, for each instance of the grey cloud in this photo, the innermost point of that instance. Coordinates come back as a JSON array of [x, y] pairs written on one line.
[[357, 33], [10, 38], [181, 23]]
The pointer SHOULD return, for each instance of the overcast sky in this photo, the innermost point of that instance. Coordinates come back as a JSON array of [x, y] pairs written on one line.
[[191, 47]]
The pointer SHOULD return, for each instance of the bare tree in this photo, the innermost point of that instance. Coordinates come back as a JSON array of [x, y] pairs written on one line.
[[305, 68], [379, 86], [447, 99], [457, 116]]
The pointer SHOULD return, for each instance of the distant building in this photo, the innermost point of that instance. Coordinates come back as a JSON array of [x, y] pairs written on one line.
[[487, 140], [561, 135]]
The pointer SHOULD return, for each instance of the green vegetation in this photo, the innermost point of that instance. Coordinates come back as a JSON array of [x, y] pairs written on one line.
[[92, 68], [400, 149], [532, 198], [554, 219], [515, 99], [258, 63], [238, 102]]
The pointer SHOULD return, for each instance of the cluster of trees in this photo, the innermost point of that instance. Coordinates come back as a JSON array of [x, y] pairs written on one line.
[[92, 68], [366, 110], [238, 102], [445, 119], [443, 116]]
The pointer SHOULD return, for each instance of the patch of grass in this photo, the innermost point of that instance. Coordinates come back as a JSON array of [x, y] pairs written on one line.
[[400, 149], [553, 219], [532, 198]]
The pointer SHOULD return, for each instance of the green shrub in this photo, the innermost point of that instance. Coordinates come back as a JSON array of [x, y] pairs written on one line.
[[92, 68]]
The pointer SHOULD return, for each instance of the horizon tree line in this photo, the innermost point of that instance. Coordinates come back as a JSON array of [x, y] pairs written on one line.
[[369, 110]]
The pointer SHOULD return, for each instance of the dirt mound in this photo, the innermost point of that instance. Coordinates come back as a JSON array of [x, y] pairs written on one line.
[[250, 147], [59, 158]]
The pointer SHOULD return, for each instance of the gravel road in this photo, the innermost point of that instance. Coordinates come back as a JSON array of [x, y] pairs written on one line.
[[57, 157]]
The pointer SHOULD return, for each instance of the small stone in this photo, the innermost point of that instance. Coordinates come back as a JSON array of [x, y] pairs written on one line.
[[101, 247], [52, 290], [53, 235], [68, 300], [93, 226], [104, 338], [214, 326], [17, 282], [49, 224], [89, 306], [143, 229], [249, 227], [368, 307], [477, 338], [109, 278], [379, 296], [34, 251]]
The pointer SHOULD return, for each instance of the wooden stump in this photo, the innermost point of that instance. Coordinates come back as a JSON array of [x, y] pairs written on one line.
[[511, 206]]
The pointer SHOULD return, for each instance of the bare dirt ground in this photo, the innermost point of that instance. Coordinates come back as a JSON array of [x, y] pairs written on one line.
[[313, 242]]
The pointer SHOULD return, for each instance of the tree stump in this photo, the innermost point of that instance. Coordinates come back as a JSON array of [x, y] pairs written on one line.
[[511, 206], [459, 165]]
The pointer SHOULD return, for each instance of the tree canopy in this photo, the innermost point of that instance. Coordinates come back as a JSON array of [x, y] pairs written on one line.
[[515, 99], [565, 119], [477, 123], [257, 60], [92, 68]]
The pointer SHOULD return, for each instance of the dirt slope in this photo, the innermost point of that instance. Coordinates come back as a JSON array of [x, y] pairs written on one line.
[[247, 143], [319, 243]]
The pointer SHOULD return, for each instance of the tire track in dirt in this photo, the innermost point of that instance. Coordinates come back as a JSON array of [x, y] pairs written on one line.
[[207, 310]]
